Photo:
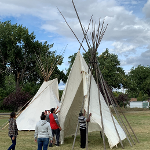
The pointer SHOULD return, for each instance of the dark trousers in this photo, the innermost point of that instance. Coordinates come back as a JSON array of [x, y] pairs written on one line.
[[13, 143], [57, 133], [83, 137]]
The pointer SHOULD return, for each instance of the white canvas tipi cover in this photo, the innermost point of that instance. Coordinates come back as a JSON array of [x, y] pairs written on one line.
[[76, 88], [46, 98]]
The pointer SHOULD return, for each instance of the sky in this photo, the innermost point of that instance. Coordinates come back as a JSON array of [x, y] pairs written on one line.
[[127, 34]]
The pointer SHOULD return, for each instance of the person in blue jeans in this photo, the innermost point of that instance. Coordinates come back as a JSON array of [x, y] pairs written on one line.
[[43, 142], [43, 133], [13, 130]]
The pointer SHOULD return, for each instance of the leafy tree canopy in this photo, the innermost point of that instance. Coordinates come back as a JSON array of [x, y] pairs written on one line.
[[17, 54], [113, 74], [139, 81], [18, 63]]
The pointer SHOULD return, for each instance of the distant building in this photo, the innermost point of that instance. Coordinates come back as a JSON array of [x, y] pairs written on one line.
[[133, 99], [139, 104]]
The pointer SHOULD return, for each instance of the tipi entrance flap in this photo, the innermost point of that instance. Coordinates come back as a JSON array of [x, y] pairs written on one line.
[[94, 108], [71, 118], [68, 96]]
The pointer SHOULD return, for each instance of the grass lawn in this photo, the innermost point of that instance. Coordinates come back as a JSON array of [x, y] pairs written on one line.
[[139, 120]]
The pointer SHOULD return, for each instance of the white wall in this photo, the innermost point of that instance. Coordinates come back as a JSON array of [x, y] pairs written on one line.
[[136, 104]]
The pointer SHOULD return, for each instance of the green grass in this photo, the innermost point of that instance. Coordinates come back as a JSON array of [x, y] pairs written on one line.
[[139, 120]]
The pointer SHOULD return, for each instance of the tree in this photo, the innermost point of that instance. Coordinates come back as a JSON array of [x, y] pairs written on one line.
[[140, 98], [15, 48], [60, 94], [122, 100], [8, 87], [116, 93], [16, 99], [31, 88], [18, 48], [146, 86], [113, 74], [139, 81]]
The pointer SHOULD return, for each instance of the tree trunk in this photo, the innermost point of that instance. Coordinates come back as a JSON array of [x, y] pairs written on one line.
[[17, 80]]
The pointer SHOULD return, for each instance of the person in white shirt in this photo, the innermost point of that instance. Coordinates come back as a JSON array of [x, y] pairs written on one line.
[[43, 133]]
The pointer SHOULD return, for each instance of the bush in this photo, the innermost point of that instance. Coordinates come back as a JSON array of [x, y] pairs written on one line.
[[16, 99], [122, 100]]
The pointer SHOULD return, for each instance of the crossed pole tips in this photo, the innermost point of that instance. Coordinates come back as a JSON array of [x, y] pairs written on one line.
[[45, 70]]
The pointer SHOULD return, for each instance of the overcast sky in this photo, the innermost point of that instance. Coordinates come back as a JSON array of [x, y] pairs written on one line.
[[127, 34]]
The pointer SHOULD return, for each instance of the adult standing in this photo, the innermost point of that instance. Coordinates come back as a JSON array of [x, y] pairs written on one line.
[[47, 112], [43, 132], [47, 115], [13, 130], [82, 121], [55, 126]]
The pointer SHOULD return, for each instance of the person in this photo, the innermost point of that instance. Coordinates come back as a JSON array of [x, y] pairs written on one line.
[[82, 121], [55, 126], [43, 132], [47, 115], [56, 110], [47, 112], [13, 130]]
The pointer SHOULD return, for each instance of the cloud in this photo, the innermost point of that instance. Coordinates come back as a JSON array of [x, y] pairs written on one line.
[[61, 86], [143, 59], [49, 27], [122, 24], [43, 40], [120, 47], [146, 9], [125, 29], [146, 54]]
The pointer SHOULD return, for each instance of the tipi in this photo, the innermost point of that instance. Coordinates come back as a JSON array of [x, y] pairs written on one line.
[[46, 98], [82, 91], [76, 89]]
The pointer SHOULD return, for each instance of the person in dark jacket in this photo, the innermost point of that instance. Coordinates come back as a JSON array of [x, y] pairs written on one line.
[[13, 130]]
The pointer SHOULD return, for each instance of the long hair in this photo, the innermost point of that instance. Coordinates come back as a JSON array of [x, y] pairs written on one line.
[[43, 116], [12, 115]]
